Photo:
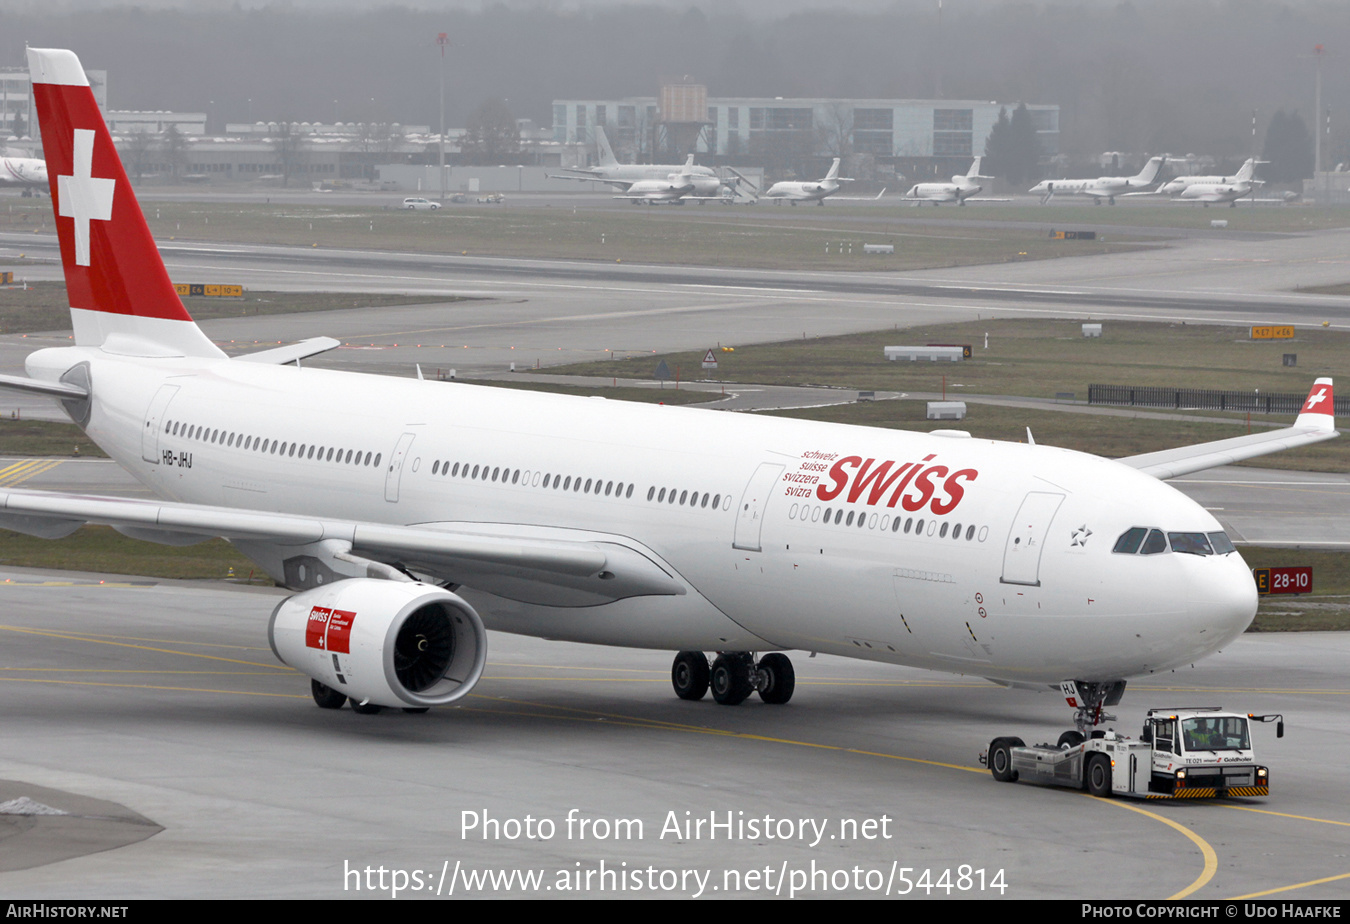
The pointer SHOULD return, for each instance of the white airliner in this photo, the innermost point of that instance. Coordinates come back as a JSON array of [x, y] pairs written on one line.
[[676, 188], [816, 191], [623, 176], [958, 190], [24, 172], [409, 516], [1217, 193], [1103, 187], [1246, 174]]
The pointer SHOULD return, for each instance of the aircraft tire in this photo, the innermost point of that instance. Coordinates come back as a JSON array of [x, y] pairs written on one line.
[[689, 675], [730, 679], [1000, 759], [1098, 776], [325, 697], [780, 679], [416, 710], [1070, 739]]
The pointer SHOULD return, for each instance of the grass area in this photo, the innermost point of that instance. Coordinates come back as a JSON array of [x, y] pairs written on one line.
[[1034, 358], [1327, 608], [708, 235], [43, 306], [667, 395], [1342, 289], [103, 550], [45, 438], [1163, 216], [1016, 364]]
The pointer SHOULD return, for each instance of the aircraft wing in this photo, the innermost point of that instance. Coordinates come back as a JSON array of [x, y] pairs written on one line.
[[1315, 423], [617, 184], [558, 567]]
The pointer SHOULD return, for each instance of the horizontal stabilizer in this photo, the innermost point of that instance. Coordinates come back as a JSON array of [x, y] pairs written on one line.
[[36, 387], [279, 356]]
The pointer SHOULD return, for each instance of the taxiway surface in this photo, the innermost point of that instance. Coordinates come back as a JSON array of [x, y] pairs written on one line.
[[162, 697]]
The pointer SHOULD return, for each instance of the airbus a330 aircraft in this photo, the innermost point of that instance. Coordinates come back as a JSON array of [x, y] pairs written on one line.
[[408, 516], [958, 190], [24, 172], [1103, 187]]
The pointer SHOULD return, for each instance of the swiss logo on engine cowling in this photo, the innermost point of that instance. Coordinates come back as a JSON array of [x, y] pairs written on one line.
[[329, 630]]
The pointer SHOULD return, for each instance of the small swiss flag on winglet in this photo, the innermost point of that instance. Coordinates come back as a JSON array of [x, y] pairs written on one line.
[[1319, 410], [1319, 399]]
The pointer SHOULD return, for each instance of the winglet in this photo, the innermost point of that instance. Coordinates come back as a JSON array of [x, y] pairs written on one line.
[[1319, 410], [120, 294]]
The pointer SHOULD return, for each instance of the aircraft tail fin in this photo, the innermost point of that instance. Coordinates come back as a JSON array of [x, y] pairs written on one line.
[[119, 291], [607, 158], [1150, 171], [974, 170], [834, 170], [1247, 172], [689, 163]]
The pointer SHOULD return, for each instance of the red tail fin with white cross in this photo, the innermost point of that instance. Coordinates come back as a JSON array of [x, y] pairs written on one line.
[[121, 298]]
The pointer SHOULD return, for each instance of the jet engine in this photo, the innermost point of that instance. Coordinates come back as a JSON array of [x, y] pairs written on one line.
[[384, 643]]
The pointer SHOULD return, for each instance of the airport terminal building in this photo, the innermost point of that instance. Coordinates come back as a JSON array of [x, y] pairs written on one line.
[[892, 130]]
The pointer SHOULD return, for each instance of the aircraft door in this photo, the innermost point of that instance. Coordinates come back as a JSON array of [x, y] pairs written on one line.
[[154, 418], [1022, 554], [750, 515], [394, 474]]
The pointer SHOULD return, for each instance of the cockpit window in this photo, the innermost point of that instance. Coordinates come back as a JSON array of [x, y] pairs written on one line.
[[1221, 543], [1128, 543], [1190, 543], [1155, 543]]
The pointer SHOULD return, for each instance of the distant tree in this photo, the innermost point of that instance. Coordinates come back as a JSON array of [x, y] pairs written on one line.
[[836, 132], [137, 147], [1012, 150], [491, 135], [1024, 147], [175, 150], [20, 126], [997, 147], [1288, 148], [288, 144]]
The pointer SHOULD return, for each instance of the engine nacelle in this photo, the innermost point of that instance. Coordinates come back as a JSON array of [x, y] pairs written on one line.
[[384, 642]]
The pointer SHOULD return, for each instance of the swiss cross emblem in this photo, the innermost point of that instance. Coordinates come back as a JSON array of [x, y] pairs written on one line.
[[84, 197], [1314, 400]]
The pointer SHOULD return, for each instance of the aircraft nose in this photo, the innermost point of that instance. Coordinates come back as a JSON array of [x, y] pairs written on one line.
[[1221, 597]]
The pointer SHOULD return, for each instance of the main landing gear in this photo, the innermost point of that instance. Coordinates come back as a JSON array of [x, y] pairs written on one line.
[[733, 676], [325, 697]]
